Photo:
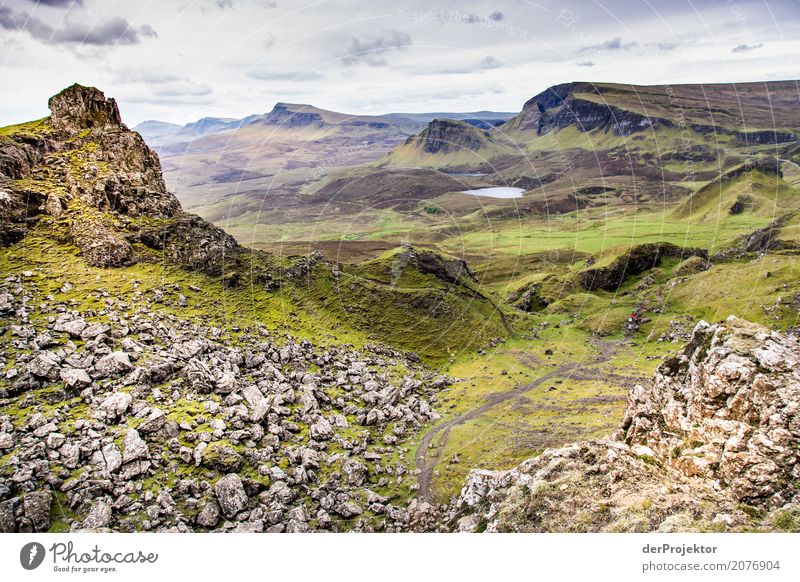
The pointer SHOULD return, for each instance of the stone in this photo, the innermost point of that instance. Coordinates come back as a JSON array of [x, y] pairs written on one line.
[[55, 440], [728, 392], [134, 447], [74, 377], [222, 457], [115, 405], [112, 364], [70, 455], [43, 366], [99, 515], [231, 495], [155, 421], [321, 429], [36, 506], [198, 453], [134, 469], [74, 328], [209, 515], [108, 457], [6, 442], [356, 472], [348, 509], [93, 330]]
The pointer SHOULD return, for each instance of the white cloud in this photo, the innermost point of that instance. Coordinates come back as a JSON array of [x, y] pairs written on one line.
[[231, 59]]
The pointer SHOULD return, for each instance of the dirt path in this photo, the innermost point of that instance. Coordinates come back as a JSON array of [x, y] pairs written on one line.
[[442, 430]]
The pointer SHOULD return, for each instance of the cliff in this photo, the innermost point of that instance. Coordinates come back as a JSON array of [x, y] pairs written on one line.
[[99, 186], [711, 444], [581, 105]]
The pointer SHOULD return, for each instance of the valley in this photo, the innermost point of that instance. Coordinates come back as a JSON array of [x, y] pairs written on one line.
[[587, 171], [362, 344]]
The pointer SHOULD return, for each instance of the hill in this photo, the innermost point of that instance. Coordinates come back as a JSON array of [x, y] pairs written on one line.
[[146, 349], [447, 143]]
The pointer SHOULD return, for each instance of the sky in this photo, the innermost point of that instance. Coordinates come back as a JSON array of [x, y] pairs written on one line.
[[181, 60]]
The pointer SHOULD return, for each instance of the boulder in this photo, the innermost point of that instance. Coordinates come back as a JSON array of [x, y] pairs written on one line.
[[230, 495], [112, 364], [133, 447]]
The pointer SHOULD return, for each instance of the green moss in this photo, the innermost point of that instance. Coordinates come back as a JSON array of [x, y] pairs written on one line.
[[786, 520], [35, 128], [60, 514]]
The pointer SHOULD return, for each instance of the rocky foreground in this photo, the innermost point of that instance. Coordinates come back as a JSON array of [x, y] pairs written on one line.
[[128, 419], [712, 444]]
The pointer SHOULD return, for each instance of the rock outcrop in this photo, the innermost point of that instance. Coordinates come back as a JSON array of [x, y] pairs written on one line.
[[450, 270], [448, 135], [289, 115], [636, 260], [569, 104], [713, 443], [728, 409], [90, 176]]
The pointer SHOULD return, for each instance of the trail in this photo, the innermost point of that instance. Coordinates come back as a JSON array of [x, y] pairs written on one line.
[[607, 351]]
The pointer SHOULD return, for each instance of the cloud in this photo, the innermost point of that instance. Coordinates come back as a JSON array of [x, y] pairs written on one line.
[[116, 31], [231, 5], [58, 3], [291, 76], [112, 32], [371, 51], [150, 76], [744, 48], [586, 64], [497, 16], [667, 46], [490, 63], [182, 88], [162, 83], [614, 44]]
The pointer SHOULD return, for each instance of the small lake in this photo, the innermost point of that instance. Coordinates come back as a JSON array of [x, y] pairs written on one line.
[[497, 192]]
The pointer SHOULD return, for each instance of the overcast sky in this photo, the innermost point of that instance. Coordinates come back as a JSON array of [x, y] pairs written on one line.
[[181, 60]]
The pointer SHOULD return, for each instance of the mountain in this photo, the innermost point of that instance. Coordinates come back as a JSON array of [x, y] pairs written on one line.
[[452, 361], [757, 113], [160, 133], [154, 131], [82, 171], [448, 143]]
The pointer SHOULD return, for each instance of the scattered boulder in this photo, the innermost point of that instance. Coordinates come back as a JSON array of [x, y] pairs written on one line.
[[230, 495]]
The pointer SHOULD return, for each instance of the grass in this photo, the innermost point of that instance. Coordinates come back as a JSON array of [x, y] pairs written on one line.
[[555, 413]]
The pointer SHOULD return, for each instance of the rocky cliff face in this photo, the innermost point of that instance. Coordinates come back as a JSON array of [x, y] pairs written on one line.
[[82, 170], [448, 135], [291, 116], [561, 106], [713, 443], [727, 409], [637, 260]]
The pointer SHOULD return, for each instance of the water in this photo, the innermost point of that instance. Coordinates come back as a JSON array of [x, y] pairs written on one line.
[[497, 192]]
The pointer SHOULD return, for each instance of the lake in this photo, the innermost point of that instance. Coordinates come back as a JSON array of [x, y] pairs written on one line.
[[497, 192]]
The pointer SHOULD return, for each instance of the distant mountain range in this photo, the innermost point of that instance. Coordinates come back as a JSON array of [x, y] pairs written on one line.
[[572, 146], [161, 133]]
